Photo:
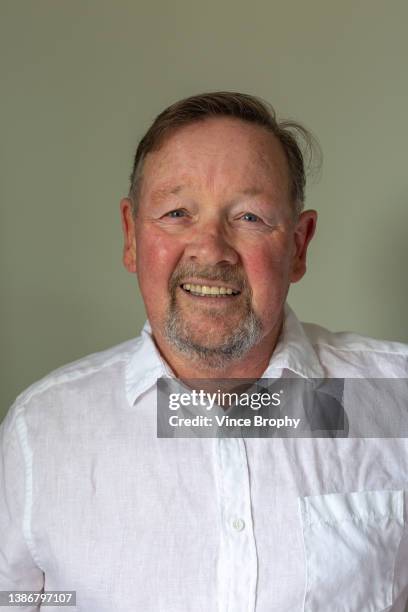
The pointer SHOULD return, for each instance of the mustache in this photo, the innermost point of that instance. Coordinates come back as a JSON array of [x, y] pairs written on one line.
[[224, 273]]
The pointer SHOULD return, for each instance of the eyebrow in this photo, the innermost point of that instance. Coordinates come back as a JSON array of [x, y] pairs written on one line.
[[161, 193], [252, 191]]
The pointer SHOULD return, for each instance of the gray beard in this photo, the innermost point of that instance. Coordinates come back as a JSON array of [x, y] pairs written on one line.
[[244, 337]]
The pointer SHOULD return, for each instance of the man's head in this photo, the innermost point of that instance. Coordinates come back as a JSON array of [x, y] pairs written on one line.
[[214, 229]]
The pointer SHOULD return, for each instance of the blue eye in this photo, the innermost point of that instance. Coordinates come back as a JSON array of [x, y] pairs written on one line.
[[175, 214], [250, 217]]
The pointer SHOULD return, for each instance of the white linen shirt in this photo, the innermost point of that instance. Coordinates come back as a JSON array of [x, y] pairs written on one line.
[[92, 501]]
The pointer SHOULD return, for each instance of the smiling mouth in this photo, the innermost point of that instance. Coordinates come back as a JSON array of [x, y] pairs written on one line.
[[218, 291]]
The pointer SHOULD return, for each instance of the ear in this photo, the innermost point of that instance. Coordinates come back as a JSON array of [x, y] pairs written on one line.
[[129, 239], [303, 234]]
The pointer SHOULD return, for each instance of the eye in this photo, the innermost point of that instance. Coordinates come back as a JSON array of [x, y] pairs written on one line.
[[250, 217], [175, 214]]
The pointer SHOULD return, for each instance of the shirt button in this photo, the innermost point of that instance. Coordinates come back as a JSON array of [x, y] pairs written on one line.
[[238, 524]]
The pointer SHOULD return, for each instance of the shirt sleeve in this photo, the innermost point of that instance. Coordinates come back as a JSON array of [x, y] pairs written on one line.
[[18, 570]]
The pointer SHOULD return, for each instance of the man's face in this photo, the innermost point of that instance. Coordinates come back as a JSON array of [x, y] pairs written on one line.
[[216, 241]]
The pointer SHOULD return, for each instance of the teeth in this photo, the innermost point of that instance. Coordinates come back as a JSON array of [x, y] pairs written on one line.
[[206, 290]]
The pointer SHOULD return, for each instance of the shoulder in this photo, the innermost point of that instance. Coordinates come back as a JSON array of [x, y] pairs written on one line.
[[358, 355], [89, 374]]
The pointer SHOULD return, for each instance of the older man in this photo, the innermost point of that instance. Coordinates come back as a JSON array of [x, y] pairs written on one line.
[[93, 501]]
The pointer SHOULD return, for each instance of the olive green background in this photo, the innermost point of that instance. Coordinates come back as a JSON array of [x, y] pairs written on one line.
[[82, 80]]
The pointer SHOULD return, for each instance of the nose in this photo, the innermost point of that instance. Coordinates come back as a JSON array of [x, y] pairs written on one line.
[[209, 246]]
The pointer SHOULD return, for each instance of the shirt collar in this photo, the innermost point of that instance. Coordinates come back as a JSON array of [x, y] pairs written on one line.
[[144, 366], [293, 352]]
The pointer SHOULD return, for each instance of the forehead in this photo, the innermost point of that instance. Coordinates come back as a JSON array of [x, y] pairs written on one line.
[[219, 154]]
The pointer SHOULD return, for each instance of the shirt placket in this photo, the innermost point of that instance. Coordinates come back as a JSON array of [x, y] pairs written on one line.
[[237, 561]]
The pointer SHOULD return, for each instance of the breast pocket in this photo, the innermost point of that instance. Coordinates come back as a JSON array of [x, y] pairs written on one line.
[[351, 543]]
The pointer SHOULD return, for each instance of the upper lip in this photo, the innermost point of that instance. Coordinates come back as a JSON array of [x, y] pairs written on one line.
[[209, 283]]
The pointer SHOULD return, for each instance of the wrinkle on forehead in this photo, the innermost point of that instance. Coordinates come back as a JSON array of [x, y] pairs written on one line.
[[244, 160]]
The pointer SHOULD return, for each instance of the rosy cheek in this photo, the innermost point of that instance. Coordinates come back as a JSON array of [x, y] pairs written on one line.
[[152, 248], [158, 256], [259, 265], [154, 252], [164, 250], [266, 277]]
